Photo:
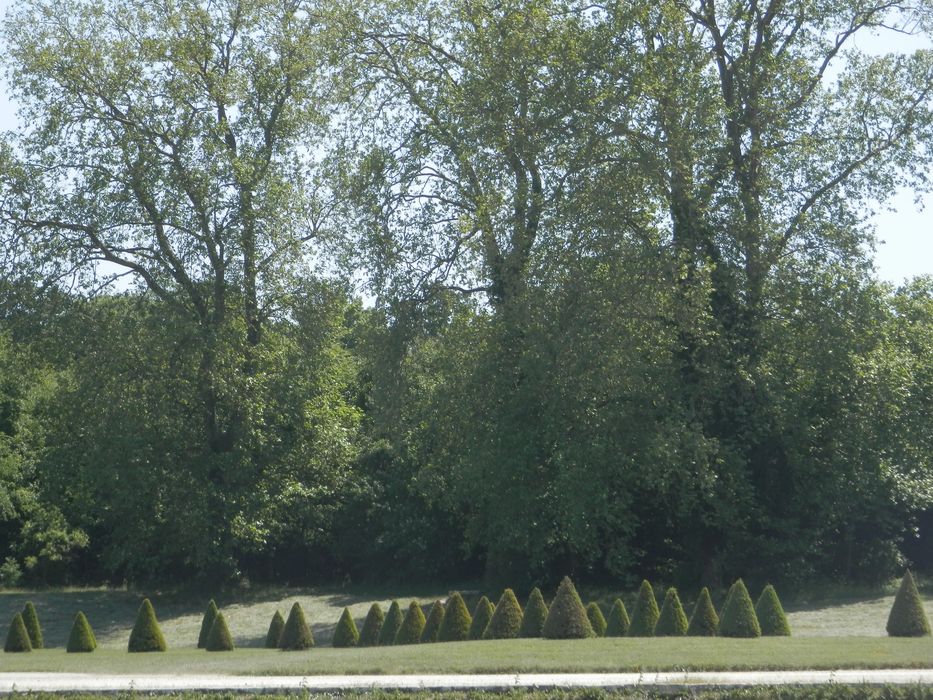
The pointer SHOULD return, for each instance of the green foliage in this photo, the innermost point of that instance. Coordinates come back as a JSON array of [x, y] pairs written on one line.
[[704, 622], [432, 628], [770, 614], [146, 634], [17, 638], [535, 615], [392, 624], [566, 618], [206, 623], [369, 635], [507, 619], [31, 620], [346, 634], [482, 614], [219, 637], [672, 621], [907, 617], [738, 617], [618, 622], [296, 635], [412, 625], [81, 639], [457, 620], [275, 631], [645, 614], [596, 618]]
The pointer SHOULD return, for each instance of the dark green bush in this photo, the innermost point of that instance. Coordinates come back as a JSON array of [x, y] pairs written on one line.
[[275, 631], [738, 617], [369, 636], [771, 615], [617, 623], [645, 614], [597, 621], [17, 638], [81, 639], [219, 637], [907, 617], [346, 634], [146, 634], [391, 625], [33, 628], [535, 615], [432, 627], [672, 621], [412, 625], [507, 619], [296, 635], [567, 618], [457, 620], [482, 614], [704, 622], [206, 623]]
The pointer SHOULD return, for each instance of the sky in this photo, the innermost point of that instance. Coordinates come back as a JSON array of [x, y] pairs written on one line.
[[904, 229]]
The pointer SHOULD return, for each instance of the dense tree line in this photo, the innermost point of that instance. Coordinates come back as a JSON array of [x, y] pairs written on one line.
[[299, 290]]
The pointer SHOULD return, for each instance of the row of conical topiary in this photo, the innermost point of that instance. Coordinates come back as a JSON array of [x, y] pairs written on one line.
[[25, 633]]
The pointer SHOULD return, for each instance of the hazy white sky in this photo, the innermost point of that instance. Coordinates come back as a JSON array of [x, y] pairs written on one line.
[[905, 234]]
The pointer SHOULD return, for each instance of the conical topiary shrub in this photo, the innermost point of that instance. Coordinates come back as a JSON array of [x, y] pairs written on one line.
[[346, 634], [412, 625], [146, 634], [219, 637], [507, 619], [296, 635], [617, 623], [645, 614], [535, 615], [672, 621], [567, 618], [457, 620], [482, 614], [597, 621], [391, 625], [17, 638], [704, 622], [907, 617], [738, 617], [432, 627], [369, 636], [206, 623], [275, 631], [770, 614], [81, 639], [33, 628]]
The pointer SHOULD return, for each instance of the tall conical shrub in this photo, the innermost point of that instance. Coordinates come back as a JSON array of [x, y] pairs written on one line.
[[412, 625], [206, 623], [296, 635], [457, 620], [507, 619], [346, 634], [275, 631], [33, 628], [219, 637], [17, 638], [672, 621], [369, 635], [617, 623], [704, 622], [482, 614], [391, 625], [81, 639], [597, 621], [771, 615], [432, 627], [645, 614], [146, 634], [535, 615], [907, 617], [567, 618], [738, 617]]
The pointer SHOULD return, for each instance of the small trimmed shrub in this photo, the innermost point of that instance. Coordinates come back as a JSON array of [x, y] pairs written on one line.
[[432, 627], [617, 623], [296, 635], [535, 615], [672, 621], [567, 618], [33, 628], [17, 638], [457, 621], [146, 634], [206, 623], [704, 622], [482, 614], [507, 619], [771, 615], [412, 625], [275, 631], [907, 617], [391, 625], [346, 634], [81, 639], [369, 636], [219, 637], [597, 621], [738, 617], [645, 614]]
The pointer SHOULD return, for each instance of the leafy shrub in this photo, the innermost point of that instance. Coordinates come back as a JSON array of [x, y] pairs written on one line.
[[432, 627], [907, 617], [617, 623], [206, 623], [10, 573], [738, 614], [567, 619], [412, 625], [219, 637], [146, 634], [369, 636], [507, 619], [457, 620], [31, 620], [535, 615], [346, 634], [597, 621], [296, 635], [704, 622], [771, 615], [81, 638], [391, 625], [645, 614], [275, 631], [482, 614], [17, 638], [672, 621]]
